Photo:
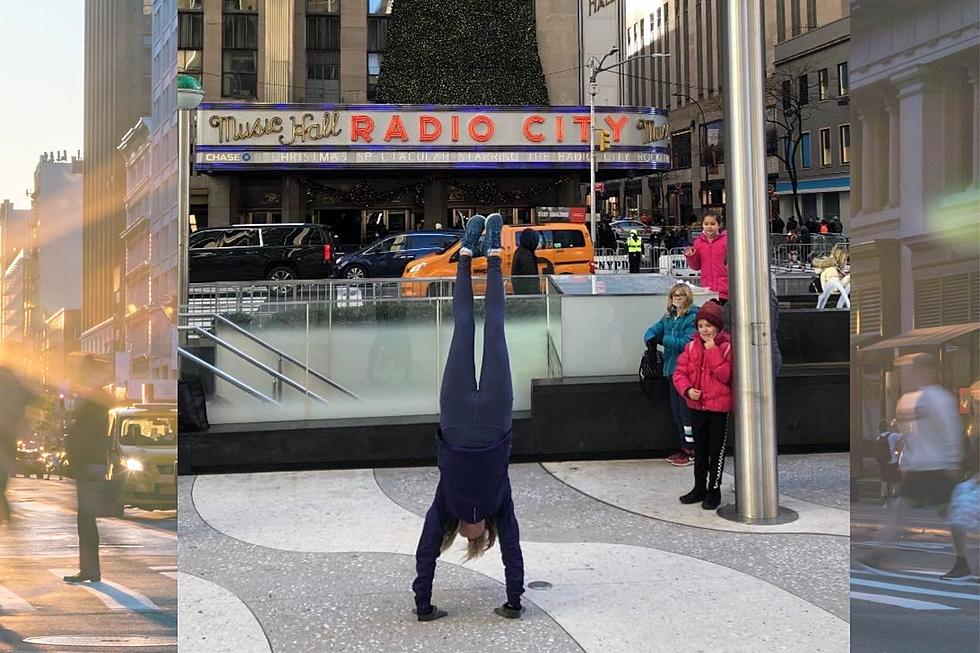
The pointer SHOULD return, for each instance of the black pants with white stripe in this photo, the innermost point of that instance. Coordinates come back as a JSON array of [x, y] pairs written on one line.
[[710, 431]]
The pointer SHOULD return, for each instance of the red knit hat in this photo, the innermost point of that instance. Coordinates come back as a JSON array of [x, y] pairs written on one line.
[[711, 311]]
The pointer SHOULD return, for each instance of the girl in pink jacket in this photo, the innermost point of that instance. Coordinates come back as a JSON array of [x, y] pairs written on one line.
[[703, 376], [709, 254]]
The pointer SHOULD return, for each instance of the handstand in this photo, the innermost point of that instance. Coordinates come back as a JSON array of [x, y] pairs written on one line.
[[473, 498]]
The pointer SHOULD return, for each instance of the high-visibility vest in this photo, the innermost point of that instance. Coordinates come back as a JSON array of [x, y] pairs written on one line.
[[634, 245]]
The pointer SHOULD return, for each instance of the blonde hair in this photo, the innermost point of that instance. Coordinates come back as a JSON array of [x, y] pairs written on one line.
[[474, 548], [837, 258], [688, 299]]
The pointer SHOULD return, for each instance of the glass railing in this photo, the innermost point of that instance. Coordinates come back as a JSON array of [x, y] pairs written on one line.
[[355, 349]]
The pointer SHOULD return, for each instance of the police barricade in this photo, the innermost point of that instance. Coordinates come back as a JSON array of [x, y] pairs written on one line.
[[675, 264], [612, 264]]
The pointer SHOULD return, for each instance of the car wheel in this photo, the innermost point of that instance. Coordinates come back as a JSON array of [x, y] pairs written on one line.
[[281, 273], [356, 272]]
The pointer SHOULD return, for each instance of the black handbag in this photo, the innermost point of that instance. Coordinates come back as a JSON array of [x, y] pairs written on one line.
[[651, 368], [98, 496]]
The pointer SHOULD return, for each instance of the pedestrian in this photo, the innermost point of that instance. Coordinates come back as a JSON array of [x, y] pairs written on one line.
[[524, 265], [833, 279], [776, 225], [14, 399], [88, 445], [708, 254], [824, 227], [683, 239], [835, 226], [634, 248], [931, 457], [674, 330], [473, 498], [792, 225], [887, 447], [703, 377]]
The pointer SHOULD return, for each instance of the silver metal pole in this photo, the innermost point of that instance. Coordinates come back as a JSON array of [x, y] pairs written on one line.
[[592, 92], [757, 497], [183, 212]]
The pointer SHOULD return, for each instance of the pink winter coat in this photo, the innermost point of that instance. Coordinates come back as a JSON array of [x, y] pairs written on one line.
[[709, 257], [708, 370]]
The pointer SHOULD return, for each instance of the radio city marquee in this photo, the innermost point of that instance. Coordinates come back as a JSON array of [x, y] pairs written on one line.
[[387, 136]]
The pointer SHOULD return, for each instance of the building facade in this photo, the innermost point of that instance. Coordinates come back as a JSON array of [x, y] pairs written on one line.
[[60, 338], [689, 84], [116, 94], [811, 81], [295, 52], [56, 203], [916, 196]]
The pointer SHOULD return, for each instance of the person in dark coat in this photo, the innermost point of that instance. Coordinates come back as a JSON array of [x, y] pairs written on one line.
[[14, 398], [473, 443], [776, 225], [525, 265], [87, 446]]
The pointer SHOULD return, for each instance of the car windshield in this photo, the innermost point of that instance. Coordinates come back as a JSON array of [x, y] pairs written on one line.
[[149, 431]]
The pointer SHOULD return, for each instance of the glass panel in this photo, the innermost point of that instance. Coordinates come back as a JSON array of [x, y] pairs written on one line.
[[323, 33], [804, 89], [190, 31], [240, 31], [149, 431], [323, 6], [240, 5], [190, 4], [680, 150], [845, 143], [805, 159], [190, 61], [240, 238], [374, 63], [382, 7], [205, 239], [377, 31], [824, 83], [825, 147], [843, 83]]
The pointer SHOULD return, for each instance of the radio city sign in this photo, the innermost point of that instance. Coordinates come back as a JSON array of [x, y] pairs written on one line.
[[383, 136]]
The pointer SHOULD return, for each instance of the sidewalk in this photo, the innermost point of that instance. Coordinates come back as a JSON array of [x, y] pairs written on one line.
[[315, 561]]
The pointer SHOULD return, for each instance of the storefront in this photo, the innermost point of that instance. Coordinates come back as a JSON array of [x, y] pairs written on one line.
[[370, 169]]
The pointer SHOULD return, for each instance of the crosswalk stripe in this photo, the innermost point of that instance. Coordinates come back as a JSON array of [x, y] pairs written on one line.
[[10, 602], [919, 575], [900, 601], [165, 568], [114, 595], [169, 574], [909, 589]]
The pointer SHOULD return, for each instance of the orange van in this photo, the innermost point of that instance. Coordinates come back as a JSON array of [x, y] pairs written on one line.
[[563, 248]]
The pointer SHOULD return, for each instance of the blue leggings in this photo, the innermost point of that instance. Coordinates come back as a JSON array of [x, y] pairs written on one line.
[[682, 416], [472, 416]]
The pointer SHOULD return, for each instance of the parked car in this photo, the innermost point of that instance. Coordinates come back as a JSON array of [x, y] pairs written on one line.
[[30, 462], [143, 453], [622, 229], [387, 258], [275, 252], [563, 248]]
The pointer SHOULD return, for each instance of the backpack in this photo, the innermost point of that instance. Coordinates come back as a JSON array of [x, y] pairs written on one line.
[[651, 368]]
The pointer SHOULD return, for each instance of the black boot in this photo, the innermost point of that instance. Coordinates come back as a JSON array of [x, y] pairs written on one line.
[[712, 499], [960, 570], [434, 614], [695, 495], [81, 577]]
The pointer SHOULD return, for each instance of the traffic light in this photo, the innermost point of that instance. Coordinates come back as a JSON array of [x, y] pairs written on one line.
[[604, 140]]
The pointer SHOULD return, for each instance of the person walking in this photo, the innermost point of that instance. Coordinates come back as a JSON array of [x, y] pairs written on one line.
[[524, 266], [708, 254], [833, 279], [634, 248], [931, 455], [674, 330], [703, 377], [87, 446], [887, 447], [473, 443], [14, 398]]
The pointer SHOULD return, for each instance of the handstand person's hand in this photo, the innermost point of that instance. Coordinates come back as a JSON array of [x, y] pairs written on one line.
[[508, 611], [433, 614]]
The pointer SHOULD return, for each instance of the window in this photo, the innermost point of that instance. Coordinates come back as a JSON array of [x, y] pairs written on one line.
[[432, 241], [377, 26], [322, 50], [190, 38], [843, 83], [291, 237], [823, 82], [680, 150], [805, 157], [787, 95], [240, 49], [804, 96], [825, 156], [844, 133], [565, 238]]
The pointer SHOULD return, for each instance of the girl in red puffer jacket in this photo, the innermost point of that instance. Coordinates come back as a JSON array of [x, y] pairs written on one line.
[[704, 378], [709, 254]]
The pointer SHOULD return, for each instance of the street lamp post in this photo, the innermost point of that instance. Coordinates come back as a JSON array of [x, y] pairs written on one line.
[[189, 96], [595, 65], [702, 136]]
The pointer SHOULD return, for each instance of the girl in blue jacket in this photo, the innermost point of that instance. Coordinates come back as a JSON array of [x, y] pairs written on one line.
[[674, 330], [473, 498]]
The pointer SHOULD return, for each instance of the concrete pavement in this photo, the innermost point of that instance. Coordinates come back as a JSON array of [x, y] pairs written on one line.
[[324, 561]]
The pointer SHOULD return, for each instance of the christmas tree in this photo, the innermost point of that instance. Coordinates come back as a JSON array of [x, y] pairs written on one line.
[[462, 52]]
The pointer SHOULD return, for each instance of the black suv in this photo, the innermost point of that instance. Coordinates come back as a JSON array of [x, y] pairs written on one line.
[[276, 252], [389, 256]]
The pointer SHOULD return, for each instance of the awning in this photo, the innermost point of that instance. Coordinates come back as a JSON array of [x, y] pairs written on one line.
[[932, 336]]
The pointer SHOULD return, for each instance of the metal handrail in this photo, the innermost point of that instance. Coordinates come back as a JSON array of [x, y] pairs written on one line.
[[278, 352], [241, 385], [257, 363]]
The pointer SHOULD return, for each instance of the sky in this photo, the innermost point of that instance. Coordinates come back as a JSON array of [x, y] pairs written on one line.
[[41, 74]]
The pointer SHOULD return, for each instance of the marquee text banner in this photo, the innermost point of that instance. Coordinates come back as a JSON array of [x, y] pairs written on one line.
[[385, 136]]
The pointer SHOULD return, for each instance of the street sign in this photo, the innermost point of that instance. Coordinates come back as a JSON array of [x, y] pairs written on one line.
[[600, 187]]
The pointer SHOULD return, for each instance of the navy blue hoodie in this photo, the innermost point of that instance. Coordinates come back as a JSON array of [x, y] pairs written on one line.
[[473, 485]]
